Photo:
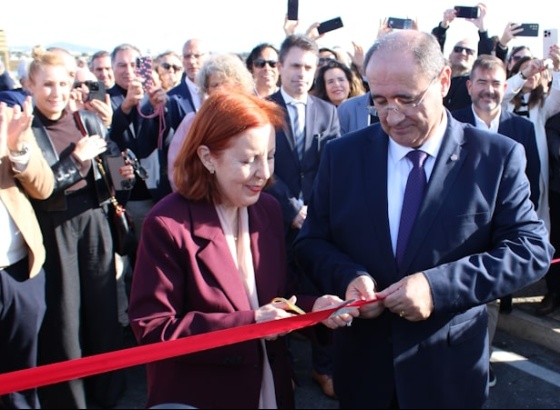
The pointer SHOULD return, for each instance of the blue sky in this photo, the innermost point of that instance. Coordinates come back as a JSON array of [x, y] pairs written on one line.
[[239, 25]]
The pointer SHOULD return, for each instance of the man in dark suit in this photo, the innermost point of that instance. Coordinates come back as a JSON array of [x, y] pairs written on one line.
[[185, 94], [294, 171], [422, 341], [354, 113], [486, 87]]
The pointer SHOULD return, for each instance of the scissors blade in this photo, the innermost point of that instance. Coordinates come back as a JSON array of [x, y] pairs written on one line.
[[342, 309]]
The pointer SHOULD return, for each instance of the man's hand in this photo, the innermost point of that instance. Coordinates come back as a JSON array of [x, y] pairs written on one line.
[[363, 288], [410, 297], [134, 95], [299, 219]]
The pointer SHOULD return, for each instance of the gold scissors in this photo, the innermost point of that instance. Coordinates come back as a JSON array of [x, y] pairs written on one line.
[[291, 306]]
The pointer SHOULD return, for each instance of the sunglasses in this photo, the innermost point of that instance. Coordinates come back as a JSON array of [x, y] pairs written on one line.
[[260, 63], [167, 66], [78, 84], [324, 60], [459, 49]]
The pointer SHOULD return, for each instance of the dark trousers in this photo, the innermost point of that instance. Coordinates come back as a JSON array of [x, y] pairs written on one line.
[[81, 295], [22, 308]]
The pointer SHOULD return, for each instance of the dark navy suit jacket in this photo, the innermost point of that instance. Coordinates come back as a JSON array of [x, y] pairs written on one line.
[[518, 129], [292, 176], [180, 103], [476, 238]]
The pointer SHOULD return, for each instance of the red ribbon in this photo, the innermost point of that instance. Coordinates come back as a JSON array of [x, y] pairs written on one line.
[[91, 365]]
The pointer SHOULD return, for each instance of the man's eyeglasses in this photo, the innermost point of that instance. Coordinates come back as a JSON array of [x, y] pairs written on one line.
[[167, 66], [459, 49], [260, 63], [191, 55], [402, 107], [324, 60]]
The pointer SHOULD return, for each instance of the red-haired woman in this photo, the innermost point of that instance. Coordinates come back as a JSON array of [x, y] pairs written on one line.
[[211, 256]]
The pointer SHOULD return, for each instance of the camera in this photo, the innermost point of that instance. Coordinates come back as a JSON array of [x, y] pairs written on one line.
[[130, 158]]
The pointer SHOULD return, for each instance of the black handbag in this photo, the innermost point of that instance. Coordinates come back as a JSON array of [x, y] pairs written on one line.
[[122, 227], [120, 222]]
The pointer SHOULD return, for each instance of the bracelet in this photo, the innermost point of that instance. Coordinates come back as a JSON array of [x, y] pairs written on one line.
[[523, 76]]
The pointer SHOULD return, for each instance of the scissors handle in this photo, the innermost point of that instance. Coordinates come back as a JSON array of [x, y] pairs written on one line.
[[291, 306]]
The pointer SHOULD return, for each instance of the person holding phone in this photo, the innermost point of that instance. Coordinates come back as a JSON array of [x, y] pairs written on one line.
[[81, 291], [80, 96], [24, 173]]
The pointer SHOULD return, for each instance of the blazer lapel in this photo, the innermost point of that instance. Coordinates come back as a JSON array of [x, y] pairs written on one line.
[[216, 255], [375, 157]]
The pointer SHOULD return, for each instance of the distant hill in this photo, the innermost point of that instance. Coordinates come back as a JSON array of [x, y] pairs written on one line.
[[72, 48]]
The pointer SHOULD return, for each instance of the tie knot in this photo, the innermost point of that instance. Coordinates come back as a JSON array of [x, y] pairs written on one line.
[[417, 157]]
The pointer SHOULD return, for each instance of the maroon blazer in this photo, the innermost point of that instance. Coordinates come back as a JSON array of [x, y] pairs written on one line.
[[186, 283]]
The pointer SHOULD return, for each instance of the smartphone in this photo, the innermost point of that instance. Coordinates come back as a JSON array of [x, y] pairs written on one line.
[[550, 37], [330, 25], [397, 23], [467, 12], [114, 163], [96, 90], [529, 30], [144, 71], [293, 9]]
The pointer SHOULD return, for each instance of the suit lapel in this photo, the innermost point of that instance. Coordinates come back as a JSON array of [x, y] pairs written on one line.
[[375, 156], [287, 130], [216, 255], [451, 158]]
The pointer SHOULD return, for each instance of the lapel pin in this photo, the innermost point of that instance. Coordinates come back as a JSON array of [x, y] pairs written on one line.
[[454, 157]]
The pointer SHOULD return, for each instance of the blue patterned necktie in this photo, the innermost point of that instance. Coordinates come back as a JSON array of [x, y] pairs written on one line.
[[299, 127], [413, 194]]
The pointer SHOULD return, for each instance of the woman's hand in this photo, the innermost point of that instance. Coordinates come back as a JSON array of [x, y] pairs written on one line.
[[13, 124], [274, 311], [333, 322], [89, 147]]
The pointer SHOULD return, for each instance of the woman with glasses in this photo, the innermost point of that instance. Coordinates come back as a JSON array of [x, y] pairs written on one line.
[[219, 72], [262, 63], [169, 69], [336, 83]]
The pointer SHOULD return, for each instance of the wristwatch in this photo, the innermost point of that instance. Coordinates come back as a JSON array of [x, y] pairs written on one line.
[[24, 150]]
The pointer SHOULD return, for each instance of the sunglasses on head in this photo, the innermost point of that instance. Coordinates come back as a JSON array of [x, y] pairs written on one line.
[[459, 49], [167, 66], [259, 63]]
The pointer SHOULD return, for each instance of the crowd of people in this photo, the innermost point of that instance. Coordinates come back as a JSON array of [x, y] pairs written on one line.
[[427, 185]]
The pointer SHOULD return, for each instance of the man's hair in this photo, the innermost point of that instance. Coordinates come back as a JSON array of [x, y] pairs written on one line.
[[486, 62], [425, 49], [98, 54], [122, 47], [299, 41]]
